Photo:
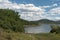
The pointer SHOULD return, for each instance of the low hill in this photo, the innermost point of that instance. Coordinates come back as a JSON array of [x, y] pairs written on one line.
[[46, 21]]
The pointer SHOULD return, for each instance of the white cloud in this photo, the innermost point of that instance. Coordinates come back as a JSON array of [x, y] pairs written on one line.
[[53, 14], [55, 10], [44, 7], [6, 1], [30, 11]]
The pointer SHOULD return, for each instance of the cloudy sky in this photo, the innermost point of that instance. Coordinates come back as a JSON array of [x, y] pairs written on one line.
[[33, 10]]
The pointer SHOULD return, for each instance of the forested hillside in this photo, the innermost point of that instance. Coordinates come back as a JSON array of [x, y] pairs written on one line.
[[10, 19]]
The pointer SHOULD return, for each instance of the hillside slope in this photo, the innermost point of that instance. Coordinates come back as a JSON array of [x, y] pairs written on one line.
[[10, 19]]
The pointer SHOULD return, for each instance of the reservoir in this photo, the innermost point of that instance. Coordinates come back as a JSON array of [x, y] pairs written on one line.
[[43, 28]]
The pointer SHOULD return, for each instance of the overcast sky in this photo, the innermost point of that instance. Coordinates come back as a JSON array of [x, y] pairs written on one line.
[[33, 10]]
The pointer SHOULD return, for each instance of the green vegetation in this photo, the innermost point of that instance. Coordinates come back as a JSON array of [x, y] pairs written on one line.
[[55, 29], [11, 35], [10, 19]]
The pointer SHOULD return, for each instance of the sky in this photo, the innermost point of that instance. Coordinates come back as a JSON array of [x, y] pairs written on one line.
[[33, 10], [37, 2]]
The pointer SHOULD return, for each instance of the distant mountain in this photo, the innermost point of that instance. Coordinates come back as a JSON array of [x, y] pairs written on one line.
[[46, 21]]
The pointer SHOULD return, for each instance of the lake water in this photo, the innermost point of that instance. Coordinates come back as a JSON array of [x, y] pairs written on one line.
[[43, 28]]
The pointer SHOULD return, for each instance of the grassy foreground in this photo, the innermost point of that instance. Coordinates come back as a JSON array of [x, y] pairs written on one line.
[[10, 35]]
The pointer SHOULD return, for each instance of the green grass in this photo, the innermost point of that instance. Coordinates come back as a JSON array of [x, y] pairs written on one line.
[[48, 36], [10, 35]]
